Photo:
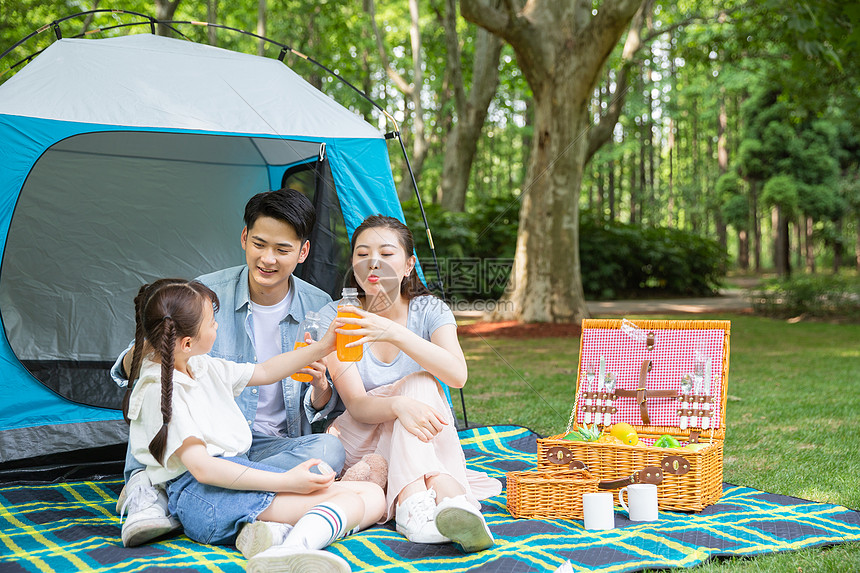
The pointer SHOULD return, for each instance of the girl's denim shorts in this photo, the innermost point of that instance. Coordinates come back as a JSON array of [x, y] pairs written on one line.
[[214, 515]]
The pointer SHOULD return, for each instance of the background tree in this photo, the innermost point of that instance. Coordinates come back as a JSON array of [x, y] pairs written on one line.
[[561, 48]]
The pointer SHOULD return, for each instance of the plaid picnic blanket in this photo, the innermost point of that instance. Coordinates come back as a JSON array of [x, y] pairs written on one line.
[[72, 526]]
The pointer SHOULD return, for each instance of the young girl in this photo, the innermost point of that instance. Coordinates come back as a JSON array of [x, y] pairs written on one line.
[[186, 428], [396, 409]]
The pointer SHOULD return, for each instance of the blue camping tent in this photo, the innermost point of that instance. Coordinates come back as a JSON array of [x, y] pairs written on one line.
[[130, 158]]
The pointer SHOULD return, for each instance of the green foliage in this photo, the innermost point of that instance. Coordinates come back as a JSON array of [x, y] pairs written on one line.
[[811, 295], [735, 206], [475, 249], [781, 191], [622, 260]]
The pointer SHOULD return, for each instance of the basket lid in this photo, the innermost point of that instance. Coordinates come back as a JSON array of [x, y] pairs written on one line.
[[671, 346]]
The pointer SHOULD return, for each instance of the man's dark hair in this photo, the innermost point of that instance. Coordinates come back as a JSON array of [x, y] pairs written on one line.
[[287, 205]]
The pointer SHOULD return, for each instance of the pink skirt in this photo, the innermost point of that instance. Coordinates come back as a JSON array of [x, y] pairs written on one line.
[[410, 459]]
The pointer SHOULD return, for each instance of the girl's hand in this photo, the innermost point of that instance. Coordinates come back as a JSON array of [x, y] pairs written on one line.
[[419, 419], [371, 327], [301, 480], [329, 339]]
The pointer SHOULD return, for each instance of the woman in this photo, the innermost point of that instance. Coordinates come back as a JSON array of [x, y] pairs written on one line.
[[395, 405]]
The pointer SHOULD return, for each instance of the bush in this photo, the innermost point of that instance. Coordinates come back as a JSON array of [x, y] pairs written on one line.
[[815, 296], [476, 251], [623, 260]]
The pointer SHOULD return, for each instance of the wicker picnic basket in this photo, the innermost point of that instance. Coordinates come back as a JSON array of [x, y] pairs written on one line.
[[650, 359], [548, 494]]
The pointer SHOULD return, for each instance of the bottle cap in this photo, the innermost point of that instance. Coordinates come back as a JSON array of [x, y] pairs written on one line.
[[312, 315], [349, 291]]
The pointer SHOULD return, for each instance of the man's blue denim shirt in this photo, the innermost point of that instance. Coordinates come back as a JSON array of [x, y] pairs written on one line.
[[234, 342]]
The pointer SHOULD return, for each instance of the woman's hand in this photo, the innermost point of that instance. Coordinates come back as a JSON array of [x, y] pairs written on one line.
[[301, 479], [419, 419], [371, 327]]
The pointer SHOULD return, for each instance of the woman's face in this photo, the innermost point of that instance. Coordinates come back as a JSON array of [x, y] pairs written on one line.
[[380, 263]]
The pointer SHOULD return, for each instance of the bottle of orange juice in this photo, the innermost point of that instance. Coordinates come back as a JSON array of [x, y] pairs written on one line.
[[344, 354], [310, 325]]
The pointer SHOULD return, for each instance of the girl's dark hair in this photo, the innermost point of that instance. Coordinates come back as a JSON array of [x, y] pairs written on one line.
[[411, 286], [165, 311]]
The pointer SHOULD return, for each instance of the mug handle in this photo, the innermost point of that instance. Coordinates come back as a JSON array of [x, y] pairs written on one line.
[[621, 499]]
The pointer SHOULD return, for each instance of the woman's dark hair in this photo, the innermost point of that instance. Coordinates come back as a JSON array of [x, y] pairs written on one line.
[[286, 205], [165, 311], [411, 286]]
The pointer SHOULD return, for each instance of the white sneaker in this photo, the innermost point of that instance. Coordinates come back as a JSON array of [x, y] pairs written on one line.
[[296, 559], [147, 511], [458, 520], [260, 535], [414, 518]]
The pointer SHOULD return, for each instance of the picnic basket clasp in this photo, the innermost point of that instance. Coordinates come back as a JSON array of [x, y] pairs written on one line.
[[648, 474]]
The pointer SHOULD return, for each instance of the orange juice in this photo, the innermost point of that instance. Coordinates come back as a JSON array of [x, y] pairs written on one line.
[[299, 376], [345, 354]]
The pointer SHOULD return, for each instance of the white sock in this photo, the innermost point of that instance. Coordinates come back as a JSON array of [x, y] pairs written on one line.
[[321, 526]]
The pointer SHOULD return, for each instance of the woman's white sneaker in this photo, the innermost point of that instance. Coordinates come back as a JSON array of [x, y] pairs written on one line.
[[458, 520], [414, 518]]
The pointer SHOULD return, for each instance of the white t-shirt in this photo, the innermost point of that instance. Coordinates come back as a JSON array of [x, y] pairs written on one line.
[[203, 407], [271, 417]]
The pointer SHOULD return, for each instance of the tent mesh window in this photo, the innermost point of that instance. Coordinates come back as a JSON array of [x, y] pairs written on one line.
[[102, 213]]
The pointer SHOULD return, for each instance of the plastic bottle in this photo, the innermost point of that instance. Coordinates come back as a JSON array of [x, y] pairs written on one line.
[[310, 325], [344, 354]]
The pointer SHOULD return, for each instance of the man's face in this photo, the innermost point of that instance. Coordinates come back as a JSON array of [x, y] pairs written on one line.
[[272, 252]]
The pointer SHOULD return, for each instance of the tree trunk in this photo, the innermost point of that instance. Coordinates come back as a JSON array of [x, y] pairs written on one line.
[[756, 226], [212, 18], [671, 183], [164, 11], [634, 190], [462, 141], [810, 244], [837, 246], [743, 249], [546, 283], [781, 243], [89, 19], [856, 248], [261, 27], [610, 196], [723, 165]]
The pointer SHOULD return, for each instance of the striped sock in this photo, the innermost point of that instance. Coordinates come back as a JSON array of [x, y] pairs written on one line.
[[321, 526]]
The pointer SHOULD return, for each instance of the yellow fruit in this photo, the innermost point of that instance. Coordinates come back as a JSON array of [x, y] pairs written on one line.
[[625, 432], [695, 447], [608, 439]]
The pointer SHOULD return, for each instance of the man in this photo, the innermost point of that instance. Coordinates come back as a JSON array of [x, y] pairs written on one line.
[[261, 307]]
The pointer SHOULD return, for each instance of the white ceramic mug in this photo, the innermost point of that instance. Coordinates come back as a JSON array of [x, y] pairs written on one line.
[[597, 509], [643, 501]]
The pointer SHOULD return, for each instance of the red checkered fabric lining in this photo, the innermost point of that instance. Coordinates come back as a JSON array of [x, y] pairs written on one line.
[[672, 357]]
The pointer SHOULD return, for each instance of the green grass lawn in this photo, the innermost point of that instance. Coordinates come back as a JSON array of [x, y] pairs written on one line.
[[792, 418]]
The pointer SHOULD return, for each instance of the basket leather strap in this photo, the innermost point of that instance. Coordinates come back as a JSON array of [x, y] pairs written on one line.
[[642, 393], [648, 474]]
